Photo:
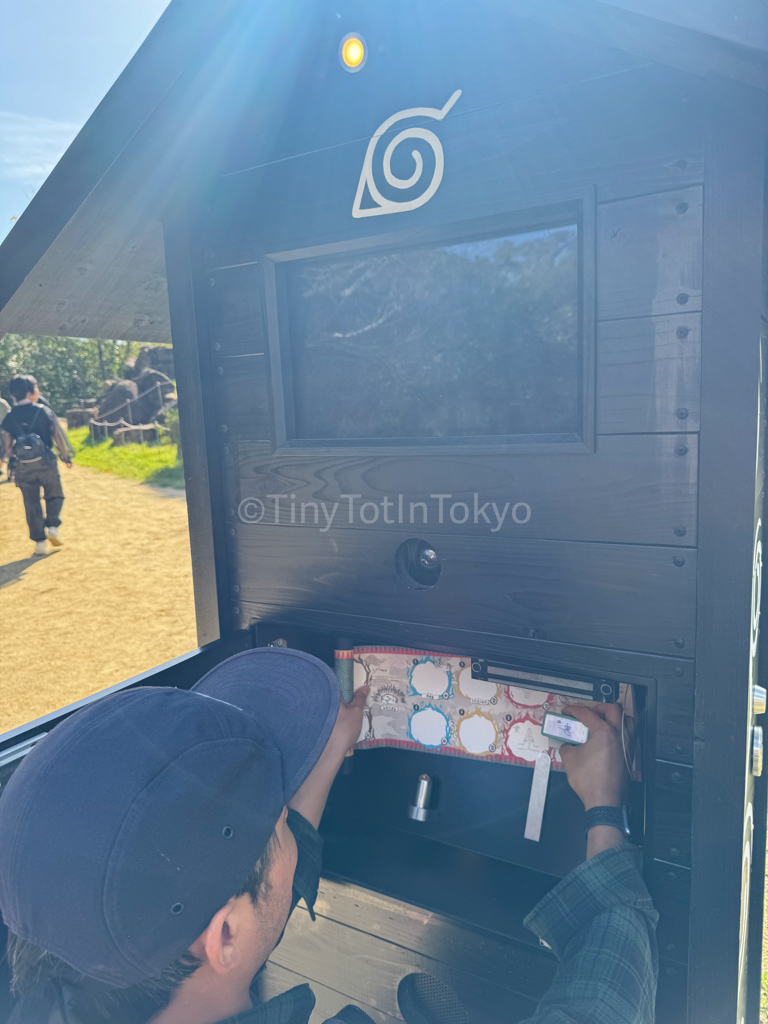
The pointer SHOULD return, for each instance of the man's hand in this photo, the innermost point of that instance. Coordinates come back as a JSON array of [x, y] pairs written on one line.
[[311, 798], [349, 724], [596, 770]]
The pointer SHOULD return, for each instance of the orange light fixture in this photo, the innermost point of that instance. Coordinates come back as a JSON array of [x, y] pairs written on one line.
[[353, 51]]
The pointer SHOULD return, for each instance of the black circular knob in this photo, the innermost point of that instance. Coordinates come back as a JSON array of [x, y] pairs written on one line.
[[417, 564]]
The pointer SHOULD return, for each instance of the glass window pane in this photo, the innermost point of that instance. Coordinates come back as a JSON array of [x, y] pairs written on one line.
[[476, 338]]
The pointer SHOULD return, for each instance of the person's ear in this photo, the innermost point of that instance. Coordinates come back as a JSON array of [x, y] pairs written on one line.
[[217, 946]]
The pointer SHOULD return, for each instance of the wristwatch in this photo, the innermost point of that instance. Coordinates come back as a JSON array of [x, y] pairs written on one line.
[[616, 817]]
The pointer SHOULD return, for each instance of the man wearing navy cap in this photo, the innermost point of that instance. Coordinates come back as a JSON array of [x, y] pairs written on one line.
[[154, 844]]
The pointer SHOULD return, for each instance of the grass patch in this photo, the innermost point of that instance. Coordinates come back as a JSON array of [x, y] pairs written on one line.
[[168, 476], [148, 463]]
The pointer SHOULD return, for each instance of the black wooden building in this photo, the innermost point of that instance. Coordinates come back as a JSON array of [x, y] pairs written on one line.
[[337, 254]]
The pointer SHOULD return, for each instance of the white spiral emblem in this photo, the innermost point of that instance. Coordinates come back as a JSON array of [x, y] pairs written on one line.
[[366, 175]]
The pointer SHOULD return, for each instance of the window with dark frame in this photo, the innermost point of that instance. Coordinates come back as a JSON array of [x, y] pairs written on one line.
[[477, 337]]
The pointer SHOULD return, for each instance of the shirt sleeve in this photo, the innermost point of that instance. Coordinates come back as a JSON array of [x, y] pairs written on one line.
[[601, 924], [58, 435], [309, 861]]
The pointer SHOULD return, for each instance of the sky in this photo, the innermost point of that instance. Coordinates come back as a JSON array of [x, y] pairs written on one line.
[[58, 58]]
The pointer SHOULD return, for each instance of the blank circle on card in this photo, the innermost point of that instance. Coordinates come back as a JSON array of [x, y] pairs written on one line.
[[428, 680], [429, 727], [477, 734], [478, 690]]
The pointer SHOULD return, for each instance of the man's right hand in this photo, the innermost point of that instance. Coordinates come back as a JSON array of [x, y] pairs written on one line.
[[596, 770]]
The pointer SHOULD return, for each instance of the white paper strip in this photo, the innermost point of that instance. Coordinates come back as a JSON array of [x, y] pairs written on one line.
[[538, 797]]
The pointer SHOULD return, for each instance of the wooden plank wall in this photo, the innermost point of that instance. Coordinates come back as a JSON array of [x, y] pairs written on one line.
[[604, 571]]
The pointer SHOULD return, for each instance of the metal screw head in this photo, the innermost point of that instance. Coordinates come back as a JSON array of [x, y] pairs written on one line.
[[220, 370], [757, 750], [759, 699], [236, 610], [227, 450], [676, 777], [533, 632], [679, 643], [224, 428], [231, 513], [679, 561], [278, 643], [682, 208], [674, 851], [211, 282], [682, 298], [428, 558], [236, 588], [682, 414], [680, 531], [232, 531], [682, 449], [679, 670], [683, 332], [672, 876]]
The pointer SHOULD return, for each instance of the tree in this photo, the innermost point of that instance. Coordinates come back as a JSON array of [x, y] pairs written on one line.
[[66, 369]]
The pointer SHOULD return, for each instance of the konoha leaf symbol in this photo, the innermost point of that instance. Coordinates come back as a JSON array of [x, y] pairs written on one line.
[[367, 181]]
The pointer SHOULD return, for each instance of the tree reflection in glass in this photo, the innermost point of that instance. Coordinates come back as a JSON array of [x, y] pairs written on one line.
[[478, 338]]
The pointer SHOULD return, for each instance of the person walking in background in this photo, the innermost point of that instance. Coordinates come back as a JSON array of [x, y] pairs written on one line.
[[4, 410], [27, 435]]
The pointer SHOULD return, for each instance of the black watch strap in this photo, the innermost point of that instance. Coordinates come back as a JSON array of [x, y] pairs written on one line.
[[616, 817]]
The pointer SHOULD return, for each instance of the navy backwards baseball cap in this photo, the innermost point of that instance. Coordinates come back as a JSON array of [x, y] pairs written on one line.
[[137, 818]]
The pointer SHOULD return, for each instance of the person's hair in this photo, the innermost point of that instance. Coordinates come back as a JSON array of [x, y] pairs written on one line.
[[96, 1003], [21, 386]]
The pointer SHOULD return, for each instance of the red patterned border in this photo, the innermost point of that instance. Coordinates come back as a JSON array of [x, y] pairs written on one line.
[[409, 650]]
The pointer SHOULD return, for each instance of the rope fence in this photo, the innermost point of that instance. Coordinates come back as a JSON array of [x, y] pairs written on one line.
[[101, 430]]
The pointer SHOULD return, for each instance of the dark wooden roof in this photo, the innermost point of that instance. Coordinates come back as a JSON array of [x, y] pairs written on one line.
[[86, 257]]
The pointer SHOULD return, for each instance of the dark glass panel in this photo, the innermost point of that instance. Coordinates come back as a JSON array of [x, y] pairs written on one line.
[[477, 338]]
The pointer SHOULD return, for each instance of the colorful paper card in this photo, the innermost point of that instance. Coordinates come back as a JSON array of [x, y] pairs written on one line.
[[424, 700]]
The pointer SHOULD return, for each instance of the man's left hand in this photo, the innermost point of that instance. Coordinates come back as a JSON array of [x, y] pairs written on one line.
[[310, 800], [349, 724]]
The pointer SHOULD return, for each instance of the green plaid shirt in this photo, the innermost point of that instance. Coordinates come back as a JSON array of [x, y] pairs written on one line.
[[601, 925], [599, 922]]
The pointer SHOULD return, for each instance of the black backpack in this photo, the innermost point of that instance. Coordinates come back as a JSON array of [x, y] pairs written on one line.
[[30, 447]]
